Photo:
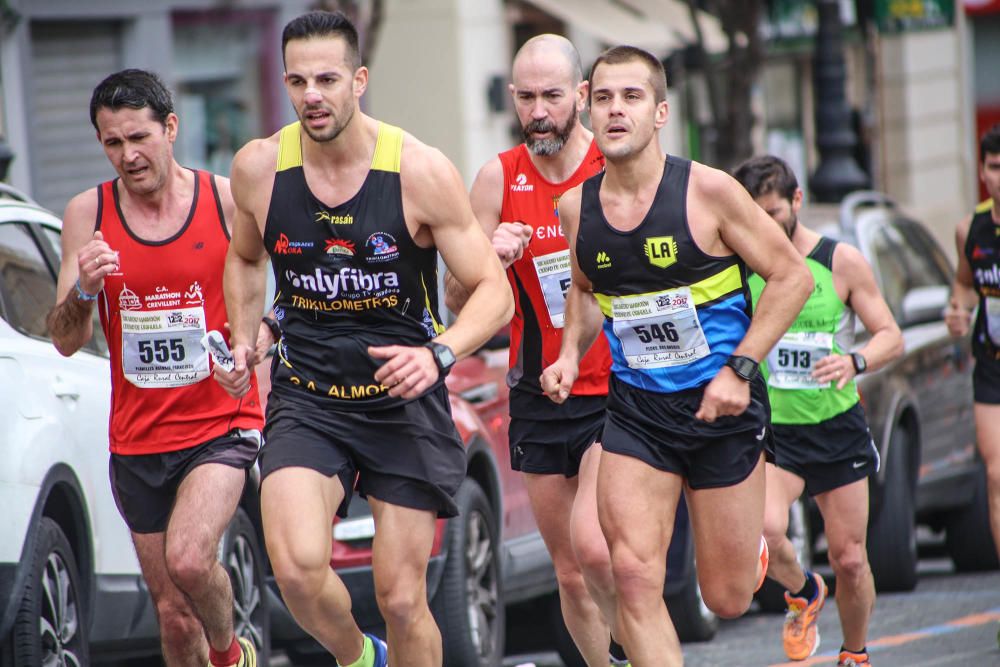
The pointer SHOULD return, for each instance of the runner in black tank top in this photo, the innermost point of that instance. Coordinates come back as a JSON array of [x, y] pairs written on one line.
[[352, 212], [672, 236], [977, 285]]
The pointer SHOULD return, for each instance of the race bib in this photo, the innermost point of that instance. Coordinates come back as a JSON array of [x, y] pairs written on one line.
[[554, 276], [162, 348], [659, 330], [993, 318], [792, 361]]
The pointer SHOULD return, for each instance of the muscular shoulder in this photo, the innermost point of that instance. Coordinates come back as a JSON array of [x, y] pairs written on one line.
[[848, 263], [253, 170], [429, 181], [962, 229], [715, 188], [489, 180], [81, 211]]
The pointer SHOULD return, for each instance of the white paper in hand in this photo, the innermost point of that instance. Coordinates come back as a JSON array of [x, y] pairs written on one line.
[[216, 346]]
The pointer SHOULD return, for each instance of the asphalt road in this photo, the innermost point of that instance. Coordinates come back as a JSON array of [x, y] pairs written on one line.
[[950, 620]]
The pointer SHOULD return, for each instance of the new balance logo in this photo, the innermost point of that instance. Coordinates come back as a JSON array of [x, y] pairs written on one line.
[[603, 261]]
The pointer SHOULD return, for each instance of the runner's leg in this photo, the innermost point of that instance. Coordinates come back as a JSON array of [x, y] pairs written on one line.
[[552, 501], [206, 501], [589, 545], [182, 637], [783, 487], [845, 517], [636, 506], [298, 506], [401, 550], [988, 436], [727, 523]]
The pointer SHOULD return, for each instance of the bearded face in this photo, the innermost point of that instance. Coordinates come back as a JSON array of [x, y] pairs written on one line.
[[554, 137]]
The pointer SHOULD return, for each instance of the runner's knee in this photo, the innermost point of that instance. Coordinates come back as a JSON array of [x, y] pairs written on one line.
[[401, 599], [299, 578], [848, 561], [189, 567], [636, 579], [728, 598], [594, 560]]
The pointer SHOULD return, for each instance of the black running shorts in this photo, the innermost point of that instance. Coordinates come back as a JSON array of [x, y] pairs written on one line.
[[986, 382], [554, 444], [661, 430], [145, 485], [408, 455]]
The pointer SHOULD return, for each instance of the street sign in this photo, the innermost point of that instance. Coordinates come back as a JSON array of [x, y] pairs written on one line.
[[894, 16]]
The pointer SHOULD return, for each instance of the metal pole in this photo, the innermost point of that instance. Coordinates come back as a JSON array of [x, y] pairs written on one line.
[[838, 172]]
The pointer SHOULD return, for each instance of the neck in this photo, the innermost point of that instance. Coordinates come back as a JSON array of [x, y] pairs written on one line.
[[352, 144], [559, 167], [636, 170], [804, 239], [158, 203]]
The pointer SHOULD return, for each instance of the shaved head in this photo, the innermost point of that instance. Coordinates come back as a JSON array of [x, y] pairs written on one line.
[[545, 48]]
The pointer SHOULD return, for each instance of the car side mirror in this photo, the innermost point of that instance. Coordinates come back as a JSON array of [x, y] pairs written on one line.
[[923, 305]]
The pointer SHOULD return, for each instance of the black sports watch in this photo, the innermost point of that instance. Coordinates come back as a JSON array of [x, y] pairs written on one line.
[[443, 356], [860, 363], [745, 367], [273, 325]]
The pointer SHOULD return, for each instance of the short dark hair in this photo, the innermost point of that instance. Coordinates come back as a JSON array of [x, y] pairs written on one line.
[[618, 55], [135, 89], [323, 24], [990, 143], [765, 174]]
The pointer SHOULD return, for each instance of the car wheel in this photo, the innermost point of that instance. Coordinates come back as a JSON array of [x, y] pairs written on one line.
[[892, 534], [50, 628], [968, 536], [693, 620], [468, 604], [771, 596], [243, 558]]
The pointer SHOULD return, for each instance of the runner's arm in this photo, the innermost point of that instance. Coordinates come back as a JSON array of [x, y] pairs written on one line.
[[486, 198], [863, 296], [749, 232], [70, 322], [583, 317], [434, 192], [963, 291], [246, 261]]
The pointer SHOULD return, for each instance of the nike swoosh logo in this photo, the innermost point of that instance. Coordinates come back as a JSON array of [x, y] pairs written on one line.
[[859, 464], [763, 432]]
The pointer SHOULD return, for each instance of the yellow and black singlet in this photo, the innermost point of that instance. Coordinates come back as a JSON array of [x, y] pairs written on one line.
[[982, 250], [348, 276], [673, 314]]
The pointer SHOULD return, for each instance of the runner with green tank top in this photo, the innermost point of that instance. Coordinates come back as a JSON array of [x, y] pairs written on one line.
[[822, 444]]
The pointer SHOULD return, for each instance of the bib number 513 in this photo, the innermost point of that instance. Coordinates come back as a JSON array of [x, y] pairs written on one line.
[[161, 351], [793, 358]]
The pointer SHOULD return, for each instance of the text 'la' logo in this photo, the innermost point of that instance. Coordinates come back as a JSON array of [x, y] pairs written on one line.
[[661, 251]]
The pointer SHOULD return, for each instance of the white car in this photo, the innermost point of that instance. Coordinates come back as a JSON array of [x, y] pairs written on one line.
[[71, 592]]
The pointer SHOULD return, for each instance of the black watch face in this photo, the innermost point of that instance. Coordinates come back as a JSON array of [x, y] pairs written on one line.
[[445, 357], [860, 364]]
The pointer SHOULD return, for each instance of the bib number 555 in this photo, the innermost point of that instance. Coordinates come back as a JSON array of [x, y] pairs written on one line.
[[161, 351]]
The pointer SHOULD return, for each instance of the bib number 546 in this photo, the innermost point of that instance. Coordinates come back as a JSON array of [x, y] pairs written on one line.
[[665, 332]]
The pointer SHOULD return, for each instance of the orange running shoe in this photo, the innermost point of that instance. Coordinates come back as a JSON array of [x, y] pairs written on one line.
[[851, 659], [763, 563], [800, 636]]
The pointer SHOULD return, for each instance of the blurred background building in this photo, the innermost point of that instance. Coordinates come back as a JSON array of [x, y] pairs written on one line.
[[921, 80]]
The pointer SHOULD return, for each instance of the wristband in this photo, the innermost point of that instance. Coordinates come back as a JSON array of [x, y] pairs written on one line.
[[273, 325], [83, 296]]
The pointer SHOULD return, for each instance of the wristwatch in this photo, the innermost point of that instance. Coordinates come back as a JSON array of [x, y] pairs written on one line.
[[860, 363], [443, 356], [745, 367], [273, 325]]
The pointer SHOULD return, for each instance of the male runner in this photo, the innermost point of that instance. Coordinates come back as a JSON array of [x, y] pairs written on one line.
[[148, 248], [822, 443], [353, 212], [977, 239], [659, 248], [514, 197]]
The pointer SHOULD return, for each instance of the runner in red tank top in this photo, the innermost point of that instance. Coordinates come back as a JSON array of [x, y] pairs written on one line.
[[557, 447], [148, 248]]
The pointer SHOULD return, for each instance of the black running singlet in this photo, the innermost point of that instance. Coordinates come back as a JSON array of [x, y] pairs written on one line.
[[982, 249], [348, 276]]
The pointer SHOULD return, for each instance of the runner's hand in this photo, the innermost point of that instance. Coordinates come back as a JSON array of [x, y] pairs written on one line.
[[727, 395], [95, 260], [557, 380], [957, 318], [237, 382], [408, 371], [837, 368], [265, 339], [509, 241]]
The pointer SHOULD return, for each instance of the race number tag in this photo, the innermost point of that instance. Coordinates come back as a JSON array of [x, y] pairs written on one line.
[[659, 330], [554, 276], [792, 360], [162, 348], [993, 318]]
